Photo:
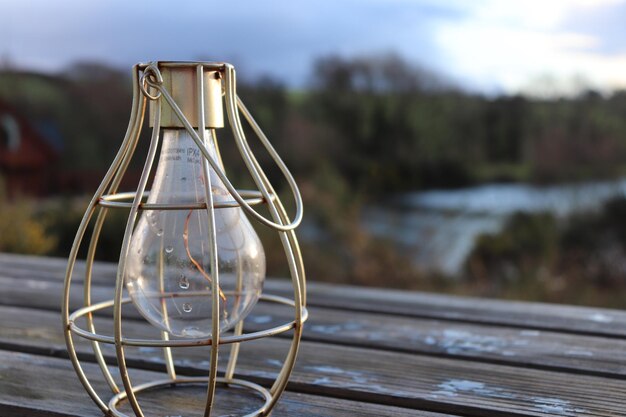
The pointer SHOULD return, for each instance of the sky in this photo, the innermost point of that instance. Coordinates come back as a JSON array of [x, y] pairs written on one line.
[[542, 47]]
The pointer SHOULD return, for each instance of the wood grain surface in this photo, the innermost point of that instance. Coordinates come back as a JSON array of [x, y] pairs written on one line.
[[364, 352]]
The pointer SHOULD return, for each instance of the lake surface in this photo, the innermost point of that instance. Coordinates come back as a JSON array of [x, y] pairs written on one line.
[[438, 228]]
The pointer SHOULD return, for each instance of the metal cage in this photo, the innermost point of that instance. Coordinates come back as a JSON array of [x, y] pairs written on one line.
[[148, 86]]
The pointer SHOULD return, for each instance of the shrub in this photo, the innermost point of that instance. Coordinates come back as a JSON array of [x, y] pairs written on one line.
[[22, 231]]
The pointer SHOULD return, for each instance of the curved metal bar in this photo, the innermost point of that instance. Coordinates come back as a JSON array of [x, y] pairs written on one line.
[[87, 297], [65, 310], [212, 237], [277, 210], [249, 155], [234, 352], [94, 241], [167, 351], [193, 380], [283, 377], [234, 349], [294, 257], [121, 200], [134, 129], [281, 209], [126, 143], [265, 186], [121, 269]]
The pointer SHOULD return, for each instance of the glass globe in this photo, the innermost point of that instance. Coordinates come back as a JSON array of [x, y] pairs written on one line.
[[168, 267]]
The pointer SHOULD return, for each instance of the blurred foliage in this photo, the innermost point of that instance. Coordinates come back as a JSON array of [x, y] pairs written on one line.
[[21, 230], [343, 251], [578, 259], [366, 128], [527, 244], [62, 217], [384, 124], [89, 105]]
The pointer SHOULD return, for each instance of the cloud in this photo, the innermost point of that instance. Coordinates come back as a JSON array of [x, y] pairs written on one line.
[[491, 45], [605, 22], [502, 45], [281, 37]]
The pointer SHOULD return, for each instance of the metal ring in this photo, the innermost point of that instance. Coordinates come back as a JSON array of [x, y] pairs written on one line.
[[144, 91], [272, 331], [267, 397], [211, 66], [152, 77], [124, 200]]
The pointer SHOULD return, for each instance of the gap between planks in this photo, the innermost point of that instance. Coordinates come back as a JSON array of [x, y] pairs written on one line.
[[521, 315], [553, 351], [412, 381]]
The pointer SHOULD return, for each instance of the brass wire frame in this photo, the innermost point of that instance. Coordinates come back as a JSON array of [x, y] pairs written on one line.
[[147, 85]]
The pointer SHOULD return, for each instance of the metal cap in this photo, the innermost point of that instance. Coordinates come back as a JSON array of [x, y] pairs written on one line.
[[181, 83]]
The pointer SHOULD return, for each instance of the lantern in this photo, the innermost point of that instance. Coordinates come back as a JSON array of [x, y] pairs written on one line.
[[191, 262]]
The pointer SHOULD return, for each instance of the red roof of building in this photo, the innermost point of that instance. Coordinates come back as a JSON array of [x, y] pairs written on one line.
[[21, 146]]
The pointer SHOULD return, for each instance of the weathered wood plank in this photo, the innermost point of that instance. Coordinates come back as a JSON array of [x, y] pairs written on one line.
[[492, 344], [38, 386], [540, 316], [457, 386], [413, 381]]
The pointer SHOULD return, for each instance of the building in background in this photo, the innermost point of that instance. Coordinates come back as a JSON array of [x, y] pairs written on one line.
[[27, 154]]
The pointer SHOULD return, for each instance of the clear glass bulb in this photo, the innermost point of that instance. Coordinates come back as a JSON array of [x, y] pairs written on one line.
[[168, 269]]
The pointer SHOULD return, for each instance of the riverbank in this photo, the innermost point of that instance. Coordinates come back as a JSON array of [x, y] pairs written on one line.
[[438, 229], [541, 247]]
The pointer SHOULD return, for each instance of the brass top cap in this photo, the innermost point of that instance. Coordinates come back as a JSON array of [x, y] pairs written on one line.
[[180, 80]]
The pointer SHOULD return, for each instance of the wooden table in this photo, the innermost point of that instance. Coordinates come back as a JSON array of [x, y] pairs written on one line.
[[365, 352]]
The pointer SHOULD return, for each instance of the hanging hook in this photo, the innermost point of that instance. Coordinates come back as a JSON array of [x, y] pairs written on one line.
[[152, 77]]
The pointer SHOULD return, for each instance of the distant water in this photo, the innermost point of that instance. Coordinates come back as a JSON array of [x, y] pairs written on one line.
[[438, 228]]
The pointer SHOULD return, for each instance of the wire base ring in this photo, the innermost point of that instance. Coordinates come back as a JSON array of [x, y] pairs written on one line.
[[115, 400]]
